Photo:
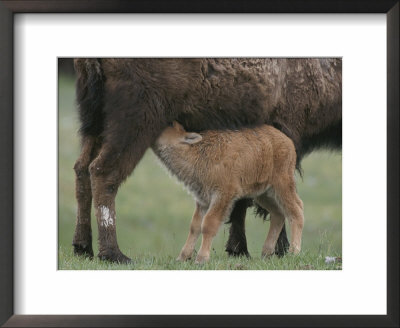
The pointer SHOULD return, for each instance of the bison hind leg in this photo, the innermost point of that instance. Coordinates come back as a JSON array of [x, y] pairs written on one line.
[[82, 241], [282, 245], [237, 243]]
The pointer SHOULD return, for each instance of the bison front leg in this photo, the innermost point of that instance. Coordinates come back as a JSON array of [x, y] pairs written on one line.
[[118, 156], [105, 183]]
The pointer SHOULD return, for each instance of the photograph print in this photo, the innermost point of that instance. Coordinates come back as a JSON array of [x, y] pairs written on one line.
[[199, 164]]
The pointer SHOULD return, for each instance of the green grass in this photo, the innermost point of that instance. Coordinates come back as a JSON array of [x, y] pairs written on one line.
[[153, 261], [154, 212]]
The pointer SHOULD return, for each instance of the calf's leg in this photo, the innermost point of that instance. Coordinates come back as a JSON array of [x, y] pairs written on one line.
[[277, 222], [82, 241], [237, 243], [292, 207], [194, 232], [296, 218], [211, 223]]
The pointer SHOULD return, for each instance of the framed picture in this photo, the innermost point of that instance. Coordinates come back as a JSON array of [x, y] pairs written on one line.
[[41, 288]]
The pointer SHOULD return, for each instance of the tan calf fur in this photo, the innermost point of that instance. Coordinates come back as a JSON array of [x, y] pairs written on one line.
[[221, 167]]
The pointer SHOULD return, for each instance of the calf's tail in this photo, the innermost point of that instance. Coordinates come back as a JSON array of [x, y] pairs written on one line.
[[90, 95]]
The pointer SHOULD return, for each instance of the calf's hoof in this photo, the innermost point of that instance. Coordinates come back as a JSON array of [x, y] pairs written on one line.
[[115, 256], [201, 259], [267, 252], [183, 258], [85, 250], [266, 255], [294, 250]]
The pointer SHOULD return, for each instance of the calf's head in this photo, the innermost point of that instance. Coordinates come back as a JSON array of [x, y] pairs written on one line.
[[176, 136]]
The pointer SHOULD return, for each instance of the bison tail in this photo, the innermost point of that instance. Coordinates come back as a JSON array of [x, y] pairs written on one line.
[[299, 169], [260, 211], [89, 95]]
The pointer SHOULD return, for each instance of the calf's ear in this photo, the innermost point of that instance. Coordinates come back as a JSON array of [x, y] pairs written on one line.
[[177, 126], [192, 138]]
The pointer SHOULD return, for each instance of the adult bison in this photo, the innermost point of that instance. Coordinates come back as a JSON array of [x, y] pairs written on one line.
[[124, 104]]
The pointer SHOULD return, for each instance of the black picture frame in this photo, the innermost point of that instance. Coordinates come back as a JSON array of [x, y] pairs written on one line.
[[7, 11]]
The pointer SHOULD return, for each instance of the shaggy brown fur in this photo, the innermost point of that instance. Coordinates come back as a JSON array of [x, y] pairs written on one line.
[[220, 167], [124, 105]]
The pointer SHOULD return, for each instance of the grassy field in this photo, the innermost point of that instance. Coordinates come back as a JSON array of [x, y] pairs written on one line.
[[154, 212]]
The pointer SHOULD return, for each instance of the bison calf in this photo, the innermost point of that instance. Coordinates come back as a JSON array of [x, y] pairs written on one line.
[[221, 167]]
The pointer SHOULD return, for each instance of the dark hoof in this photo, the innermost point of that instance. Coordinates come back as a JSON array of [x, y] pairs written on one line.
[[114, 256], [282, 245], [83, 250], [282, 250], [238, 252]]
